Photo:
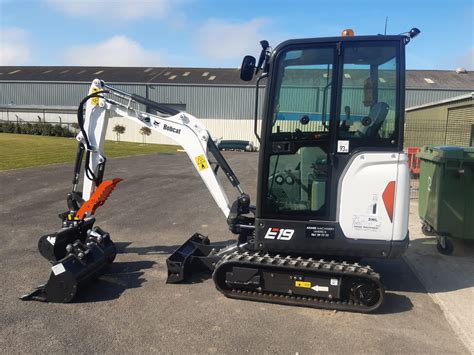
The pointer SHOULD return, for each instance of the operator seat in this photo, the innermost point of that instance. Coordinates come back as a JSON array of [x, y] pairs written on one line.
[[375, 119]]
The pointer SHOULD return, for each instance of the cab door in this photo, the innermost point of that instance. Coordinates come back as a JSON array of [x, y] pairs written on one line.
[[297, 154]]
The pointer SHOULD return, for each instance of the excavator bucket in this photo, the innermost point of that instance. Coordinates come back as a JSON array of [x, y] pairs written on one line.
[[78, 252], [82, 262]]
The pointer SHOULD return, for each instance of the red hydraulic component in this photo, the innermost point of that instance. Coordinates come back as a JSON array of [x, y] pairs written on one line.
[[413, 160], [98, 198]]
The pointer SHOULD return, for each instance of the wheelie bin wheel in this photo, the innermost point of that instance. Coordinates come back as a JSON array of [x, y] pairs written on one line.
[[444, 245], [427, 230]]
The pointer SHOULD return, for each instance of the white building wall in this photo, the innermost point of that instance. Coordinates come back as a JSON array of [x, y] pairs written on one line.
[[48, 116], [218, 128]]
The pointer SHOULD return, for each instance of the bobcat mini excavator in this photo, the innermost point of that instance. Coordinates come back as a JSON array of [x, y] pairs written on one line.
[[333, 181]]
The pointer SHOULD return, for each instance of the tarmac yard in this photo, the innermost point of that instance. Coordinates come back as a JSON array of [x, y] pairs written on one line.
[[132, 310]]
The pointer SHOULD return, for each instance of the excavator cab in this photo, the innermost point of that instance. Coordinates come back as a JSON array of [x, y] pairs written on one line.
[[331, 138]]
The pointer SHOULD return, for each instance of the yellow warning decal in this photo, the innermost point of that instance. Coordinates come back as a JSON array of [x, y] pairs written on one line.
[[201, 162], [95, 100], [303, 284]]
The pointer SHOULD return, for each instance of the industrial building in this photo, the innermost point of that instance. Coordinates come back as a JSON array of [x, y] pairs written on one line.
[[449, 121], [217, 96]]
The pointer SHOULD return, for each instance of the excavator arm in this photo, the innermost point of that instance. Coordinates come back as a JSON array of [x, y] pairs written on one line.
[[80, 252], [183, 128]]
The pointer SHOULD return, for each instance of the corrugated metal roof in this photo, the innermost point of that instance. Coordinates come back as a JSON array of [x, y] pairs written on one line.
[[439, 79], [222, 76], [415, 79]]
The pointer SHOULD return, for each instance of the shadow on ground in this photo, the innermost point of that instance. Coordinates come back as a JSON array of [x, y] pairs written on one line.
[[128, 248], [119, 277], [447, 272], [395, 274]]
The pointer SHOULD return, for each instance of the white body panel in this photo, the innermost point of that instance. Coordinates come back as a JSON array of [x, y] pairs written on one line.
[[402, 199], [95, 125], [183, 128], [362, 211]]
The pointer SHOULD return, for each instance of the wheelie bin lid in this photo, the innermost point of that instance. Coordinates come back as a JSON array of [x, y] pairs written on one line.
[[443, 153]]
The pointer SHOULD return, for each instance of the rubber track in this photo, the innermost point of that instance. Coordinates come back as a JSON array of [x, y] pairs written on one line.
[[298, 265]]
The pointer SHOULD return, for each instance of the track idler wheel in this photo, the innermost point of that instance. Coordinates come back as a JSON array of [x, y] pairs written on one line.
[[365, 293]]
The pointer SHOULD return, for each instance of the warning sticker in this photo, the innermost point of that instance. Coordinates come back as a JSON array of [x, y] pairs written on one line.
[[201, 162], [303, 284], [51, 240], [58, 269], [95, 100]]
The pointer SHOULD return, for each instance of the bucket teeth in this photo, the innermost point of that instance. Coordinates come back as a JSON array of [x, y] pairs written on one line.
[[37, 294]]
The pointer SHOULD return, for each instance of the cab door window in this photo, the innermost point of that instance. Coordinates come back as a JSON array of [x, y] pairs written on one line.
[[368, 100], [303, 93]]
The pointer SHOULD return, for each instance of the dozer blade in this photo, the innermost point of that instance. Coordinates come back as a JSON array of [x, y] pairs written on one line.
[[83, 262], [193, 254]]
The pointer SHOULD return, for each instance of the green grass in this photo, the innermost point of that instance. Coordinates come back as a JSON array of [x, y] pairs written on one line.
[[22, 150]]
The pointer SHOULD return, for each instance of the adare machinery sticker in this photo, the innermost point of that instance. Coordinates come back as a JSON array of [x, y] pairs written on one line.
[[324, 232]]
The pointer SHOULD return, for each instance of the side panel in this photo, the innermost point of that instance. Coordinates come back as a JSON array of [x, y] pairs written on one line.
[[374, 197], [402, 199]]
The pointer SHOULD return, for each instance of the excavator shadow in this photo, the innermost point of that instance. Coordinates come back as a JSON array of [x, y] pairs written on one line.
[[126, 248], [120, 276], [395, 274], [198, 273], [398, 278]]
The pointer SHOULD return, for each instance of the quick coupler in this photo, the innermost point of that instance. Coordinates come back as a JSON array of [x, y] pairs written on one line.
[[79, 254]]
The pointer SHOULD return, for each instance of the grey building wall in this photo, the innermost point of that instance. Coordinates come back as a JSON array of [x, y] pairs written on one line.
[[202, 101], [211, 101]]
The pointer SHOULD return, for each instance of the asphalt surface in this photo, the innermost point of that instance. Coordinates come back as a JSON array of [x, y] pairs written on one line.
[[449, 279], [132, 310]]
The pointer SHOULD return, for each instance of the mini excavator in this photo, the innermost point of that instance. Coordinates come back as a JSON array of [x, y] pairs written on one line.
[[333, 181]]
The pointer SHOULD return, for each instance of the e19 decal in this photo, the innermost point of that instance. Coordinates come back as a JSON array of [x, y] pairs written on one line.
[[279, 233]]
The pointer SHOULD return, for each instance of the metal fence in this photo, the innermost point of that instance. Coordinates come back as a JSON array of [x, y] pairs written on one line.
[[71, 126], [422, 132], [414, 188]]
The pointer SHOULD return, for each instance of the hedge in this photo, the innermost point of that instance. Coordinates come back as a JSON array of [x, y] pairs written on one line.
[[39, 129]]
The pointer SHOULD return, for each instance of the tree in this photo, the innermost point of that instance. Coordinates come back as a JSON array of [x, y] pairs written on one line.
[[119, 129], [75, 125], [145, 131]]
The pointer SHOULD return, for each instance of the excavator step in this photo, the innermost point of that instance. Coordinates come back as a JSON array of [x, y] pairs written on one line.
[[299, 282]]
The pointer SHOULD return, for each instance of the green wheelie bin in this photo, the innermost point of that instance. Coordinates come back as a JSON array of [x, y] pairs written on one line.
[[446, 200]]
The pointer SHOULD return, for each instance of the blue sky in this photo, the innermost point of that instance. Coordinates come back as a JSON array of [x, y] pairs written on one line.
[[209, 33]]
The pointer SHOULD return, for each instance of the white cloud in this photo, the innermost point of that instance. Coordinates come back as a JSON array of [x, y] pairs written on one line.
[[117, 9], [222, 40], [14, 48], [115, 51]]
